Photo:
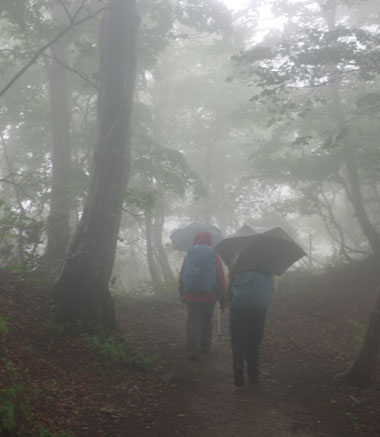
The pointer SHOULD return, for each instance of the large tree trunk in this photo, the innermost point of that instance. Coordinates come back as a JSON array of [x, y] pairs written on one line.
[[364, 367], [82, 288], [60, 113]]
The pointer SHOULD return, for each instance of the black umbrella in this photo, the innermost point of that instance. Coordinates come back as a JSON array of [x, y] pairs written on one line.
[[268, 250], [183, 238]]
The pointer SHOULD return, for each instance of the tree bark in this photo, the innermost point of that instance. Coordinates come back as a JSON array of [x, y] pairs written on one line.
[[134, 280], [157, 238], [153, 270], [82, 289], [159, 98], [60, 113], [364, 367]]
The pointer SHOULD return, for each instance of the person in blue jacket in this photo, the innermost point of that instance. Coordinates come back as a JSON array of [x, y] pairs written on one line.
[[250, 294]]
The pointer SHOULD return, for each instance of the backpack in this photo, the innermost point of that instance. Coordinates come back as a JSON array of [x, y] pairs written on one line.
[[251, 290], [199, 272]]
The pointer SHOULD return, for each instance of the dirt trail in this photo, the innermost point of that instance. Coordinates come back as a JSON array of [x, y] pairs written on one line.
[[313, 332], [297, 394]]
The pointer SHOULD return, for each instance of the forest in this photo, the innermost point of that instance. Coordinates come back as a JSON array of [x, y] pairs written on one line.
[[124, 121]]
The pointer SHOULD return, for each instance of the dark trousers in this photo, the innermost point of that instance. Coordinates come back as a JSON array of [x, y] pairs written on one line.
[[247, 329], [199, 326]]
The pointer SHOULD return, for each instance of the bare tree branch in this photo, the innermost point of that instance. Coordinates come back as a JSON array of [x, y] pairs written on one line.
[[46, 46], [331, 219], [81, 6], [64, 7], [8, 180], [73, 70], [137, 216]]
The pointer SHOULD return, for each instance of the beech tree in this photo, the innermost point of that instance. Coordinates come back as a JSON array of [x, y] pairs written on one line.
[[82, 291]]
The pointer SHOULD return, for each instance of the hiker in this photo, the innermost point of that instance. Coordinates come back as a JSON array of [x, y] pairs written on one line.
[[250, 295], [201, 284]]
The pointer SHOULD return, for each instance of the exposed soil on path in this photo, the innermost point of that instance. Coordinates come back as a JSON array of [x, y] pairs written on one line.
[[312, 335], [297, 394], [203, 396], [313, 332]]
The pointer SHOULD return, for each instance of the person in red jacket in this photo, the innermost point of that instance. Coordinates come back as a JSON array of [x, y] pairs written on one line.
[[200, 303]]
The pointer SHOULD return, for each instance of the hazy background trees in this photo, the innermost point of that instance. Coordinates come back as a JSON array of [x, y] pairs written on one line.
[[267, 114]]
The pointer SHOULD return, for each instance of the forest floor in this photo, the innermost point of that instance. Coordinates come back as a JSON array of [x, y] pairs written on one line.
[[53, 384]]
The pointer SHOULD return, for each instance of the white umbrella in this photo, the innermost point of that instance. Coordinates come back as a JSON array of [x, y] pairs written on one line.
[[183, 238]]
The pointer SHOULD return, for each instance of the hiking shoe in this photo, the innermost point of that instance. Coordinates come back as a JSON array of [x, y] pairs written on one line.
[[238, 378]]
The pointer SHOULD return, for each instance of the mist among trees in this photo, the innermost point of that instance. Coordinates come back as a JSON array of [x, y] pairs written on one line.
[[123, 120]]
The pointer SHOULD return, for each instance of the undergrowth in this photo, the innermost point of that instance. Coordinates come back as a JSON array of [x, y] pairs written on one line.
[[16, 399], [3, 325], [119, 349], [359, 330], [149, 289]]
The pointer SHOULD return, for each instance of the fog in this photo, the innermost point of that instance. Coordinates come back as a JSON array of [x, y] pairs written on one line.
[[243, 114], [116, 129], [263, 114]]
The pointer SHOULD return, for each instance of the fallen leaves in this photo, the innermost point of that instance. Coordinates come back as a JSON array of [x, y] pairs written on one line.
[[305, 345]]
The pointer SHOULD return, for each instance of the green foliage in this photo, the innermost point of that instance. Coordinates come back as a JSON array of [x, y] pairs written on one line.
[[58, 329], [16, 400], [44, 432], [307, 59], [155, 29], [204, 15], [138, 202], [108, 347], [353, 419], [359, 330], [168, 167], [85, 323], [122, 350], [148, 288], [20, 237], [149, 361], [3, 325]]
